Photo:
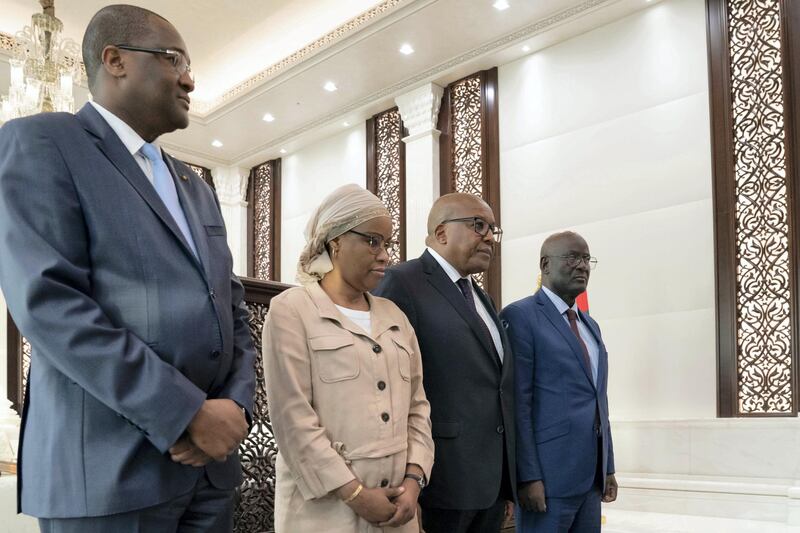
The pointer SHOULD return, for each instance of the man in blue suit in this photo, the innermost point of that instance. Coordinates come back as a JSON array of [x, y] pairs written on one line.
[[565, 459], [115, 267]]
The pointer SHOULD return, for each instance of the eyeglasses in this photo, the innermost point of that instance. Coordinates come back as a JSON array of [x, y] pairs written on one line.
[[376, 243], [573, 260], [480, 226], [179, 62]]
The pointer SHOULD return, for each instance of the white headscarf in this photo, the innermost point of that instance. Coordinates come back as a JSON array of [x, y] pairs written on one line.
[[342, 210]]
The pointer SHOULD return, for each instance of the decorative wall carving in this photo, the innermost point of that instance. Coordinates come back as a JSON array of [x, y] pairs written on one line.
[[467, 142], [389, 182], [255, 506], [763, 299], [420, 108], [262, 221], [203, 172]]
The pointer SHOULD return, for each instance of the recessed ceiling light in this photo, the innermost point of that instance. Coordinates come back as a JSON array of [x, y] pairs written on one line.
[[501, 5], [345, 123], [283, 150], [526, 48], [406, 49], [216, 143], [268, 117], [330, 86]]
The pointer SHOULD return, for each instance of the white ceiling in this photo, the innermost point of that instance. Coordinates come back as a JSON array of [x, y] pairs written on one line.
[[233, 41]]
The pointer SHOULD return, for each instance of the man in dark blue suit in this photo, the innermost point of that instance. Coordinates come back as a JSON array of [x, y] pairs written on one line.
[[116, 268], [565, 458]]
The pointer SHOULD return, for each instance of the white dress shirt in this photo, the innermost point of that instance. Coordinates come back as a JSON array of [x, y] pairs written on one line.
[[454, 276], [586, 335]]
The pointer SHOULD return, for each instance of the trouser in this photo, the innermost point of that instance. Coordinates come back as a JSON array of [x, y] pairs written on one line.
[[204, 509]]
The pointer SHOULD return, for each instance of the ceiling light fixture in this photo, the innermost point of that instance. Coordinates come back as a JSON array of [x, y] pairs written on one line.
[[406, 49], [268, 117], [44, 67], [330, 86], [526, 48], [283, 150], [216, 143], [501, 5], [345, 123]]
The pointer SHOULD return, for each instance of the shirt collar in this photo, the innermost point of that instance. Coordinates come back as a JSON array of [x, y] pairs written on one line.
[[449, 269], [560, 304], [132, 141]]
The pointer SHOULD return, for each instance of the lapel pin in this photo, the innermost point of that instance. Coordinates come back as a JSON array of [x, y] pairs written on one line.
[[184, 177]]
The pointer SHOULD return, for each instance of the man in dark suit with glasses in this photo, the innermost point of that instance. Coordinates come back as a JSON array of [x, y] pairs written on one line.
[[467, 367]]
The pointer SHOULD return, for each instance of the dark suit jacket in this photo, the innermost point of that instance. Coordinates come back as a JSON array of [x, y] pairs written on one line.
[[471, 394], [557, 401], [130, 332]]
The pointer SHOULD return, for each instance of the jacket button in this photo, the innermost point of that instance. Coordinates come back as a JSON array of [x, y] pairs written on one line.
[[381, 385], [384, 483], [501, 429], [385, 417], [212, 293], [215, 354], [377, 348]]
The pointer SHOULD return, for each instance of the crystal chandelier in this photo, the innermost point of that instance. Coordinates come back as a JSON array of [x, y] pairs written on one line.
[[44, 68]]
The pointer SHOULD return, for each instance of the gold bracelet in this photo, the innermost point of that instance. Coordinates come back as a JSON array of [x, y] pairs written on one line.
[[355, 493]]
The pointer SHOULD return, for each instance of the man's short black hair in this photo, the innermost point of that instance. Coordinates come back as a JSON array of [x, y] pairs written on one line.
[[115, 24]]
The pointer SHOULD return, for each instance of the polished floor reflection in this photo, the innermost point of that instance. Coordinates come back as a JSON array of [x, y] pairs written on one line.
[[640, 522]]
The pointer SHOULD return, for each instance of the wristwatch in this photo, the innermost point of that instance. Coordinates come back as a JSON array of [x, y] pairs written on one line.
[[419, 479]]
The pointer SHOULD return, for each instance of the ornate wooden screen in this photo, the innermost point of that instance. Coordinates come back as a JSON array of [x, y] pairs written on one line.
[[386, 173], [17, 364], [754, 119], [470, 150], [204, 173], [255, 504], [263, 224]]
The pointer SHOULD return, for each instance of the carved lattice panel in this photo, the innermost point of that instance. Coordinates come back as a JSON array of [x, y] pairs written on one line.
[[388, 145], [204, 173], [764, 359], [262, 222], [467, 163], [26, 367], [255, 506]]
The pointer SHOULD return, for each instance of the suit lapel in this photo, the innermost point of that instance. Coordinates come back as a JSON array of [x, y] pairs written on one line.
[[112, 147], [549, 310], [192, 215], [438, 278]]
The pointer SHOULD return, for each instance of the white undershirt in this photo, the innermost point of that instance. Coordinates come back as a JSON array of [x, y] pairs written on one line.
[[454, 276], [359, 318]]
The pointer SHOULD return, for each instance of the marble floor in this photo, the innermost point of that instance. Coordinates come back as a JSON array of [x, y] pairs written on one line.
[[641, 522]]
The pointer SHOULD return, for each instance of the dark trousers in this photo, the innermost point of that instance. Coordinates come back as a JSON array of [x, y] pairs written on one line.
[[457, 521], [204, 509]]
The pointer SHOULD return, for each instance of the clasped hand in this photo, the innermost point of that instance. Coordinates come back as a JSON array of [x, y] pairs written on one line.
[[384, 507], [213, 434]]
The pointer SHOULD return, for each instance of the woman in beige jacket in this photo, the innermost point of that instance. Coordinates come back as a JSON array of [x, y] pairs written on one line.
[[344, 382]]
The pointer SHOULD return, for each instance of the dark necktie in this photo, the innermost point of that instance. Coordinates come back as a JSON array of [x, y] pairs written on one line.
[[572, 316], [466, 290]]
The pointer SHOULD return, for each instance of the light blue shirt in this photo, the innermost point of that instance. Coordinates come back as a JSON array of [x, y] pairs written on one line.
[[586, 335]]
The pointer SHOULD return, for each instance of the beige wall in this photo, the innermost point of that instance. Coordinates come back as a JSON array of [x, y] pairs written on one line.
[[310, 174], [607, 134]]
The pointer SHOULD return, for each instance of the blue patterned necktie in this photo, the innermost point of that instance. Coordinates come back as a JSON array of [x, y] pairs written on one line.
[[165, 187]]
